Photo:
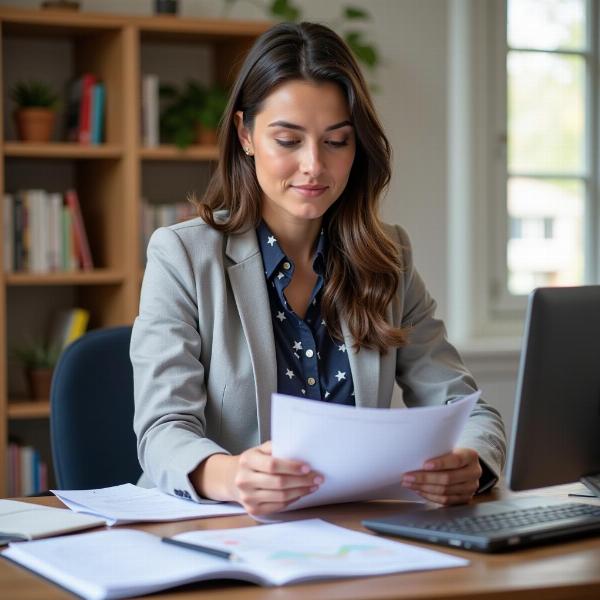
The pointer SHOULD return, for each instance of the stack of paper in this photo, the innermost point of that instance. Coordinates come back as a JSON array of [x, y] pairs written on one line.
[[363, 452], [129, 503]]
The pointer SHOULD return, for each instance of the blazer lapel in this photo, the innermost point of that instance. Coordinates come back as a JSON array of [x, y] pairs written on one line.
[[247, 278], [365, 366]]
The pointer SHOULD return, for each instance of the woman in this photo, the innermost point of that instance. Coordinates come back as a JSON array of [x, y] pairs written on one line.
[[289, 282]]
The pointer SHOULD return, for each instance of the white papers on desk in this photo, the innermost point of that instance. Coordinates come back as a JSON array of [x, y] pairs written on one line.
[[130, 503], [121, 563], [363, 452]]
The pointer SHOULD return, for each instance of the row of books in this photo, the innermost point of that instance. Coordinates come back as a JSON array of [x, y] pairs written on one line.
[[163, 215], [44, 232], [85, 110], [27, 472]]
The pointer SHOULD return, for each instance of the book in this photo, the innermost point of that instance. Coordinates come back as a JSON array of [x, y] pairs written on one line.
[[86, 108], [150, 111], [33, 521], [124, 562], [80, 238], [97, 113], [67, 325], [8, 233]]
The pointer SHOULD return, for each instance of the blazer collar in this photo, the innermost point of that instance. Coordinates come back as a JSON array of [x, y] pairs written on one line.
[[247, 279], [241, 246]]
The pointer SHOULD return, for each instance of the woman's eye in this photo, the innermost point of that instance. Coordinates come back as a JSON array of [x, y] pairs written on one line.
[[338, 144], [287, 143]]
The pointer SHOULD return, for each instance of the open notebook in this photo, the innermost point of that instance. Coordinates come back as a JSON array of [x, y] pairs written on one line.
[[125, 562]]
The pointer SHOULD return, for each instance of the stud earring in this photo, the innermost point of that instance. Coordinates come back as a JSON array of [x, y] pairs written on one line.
[[247, 151]]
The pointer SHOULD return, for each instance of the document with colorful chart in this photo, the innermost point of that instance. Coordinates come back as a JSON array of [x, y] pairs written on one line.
[[123, 562]]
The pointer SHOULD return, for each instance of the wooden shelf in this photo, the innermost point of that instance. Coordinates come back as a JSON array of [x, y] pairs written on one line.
[[62, 150], [28, 409], [109, 178], [97, 276], [190, 153]]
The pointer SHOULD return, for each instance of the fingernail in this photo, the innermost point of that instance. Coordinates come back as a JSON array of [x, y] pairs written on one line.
[[318, 479], [408, 479], [304, 469]]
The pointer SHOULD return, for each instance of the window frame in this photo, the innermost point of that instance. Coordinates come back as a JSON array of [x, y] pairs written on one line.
[[504, 305], [478, 319]]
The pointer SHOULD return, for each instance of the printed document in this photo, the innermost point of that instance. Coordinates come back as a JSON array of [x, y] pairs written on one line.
[[363, 452], [130, 503]]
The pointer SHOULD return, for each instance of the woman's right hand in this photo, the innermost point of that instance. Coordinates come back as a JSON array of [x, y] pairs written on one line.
[[263, 484]]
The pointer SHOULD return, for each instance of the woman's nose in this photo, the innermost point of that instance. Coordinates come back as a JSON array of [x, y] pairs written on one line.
[[311, 163]]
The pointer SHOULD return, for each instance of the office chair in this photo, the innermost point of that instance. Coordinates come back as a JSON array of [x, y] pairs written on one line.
[[91, 412]]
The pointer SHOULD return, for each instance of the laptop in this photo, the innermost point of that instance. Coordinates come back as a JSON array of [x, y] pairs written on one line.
[[555, 437]]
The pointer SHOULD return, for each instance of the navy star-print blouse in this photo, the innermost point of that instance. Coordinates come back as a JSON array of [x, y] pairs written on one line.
[[310, 363]]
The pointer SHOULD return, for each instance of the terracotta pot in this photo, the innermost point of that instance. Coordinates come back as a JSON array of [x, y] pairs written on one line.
[[35, 124], [39, 381], [206, 137]]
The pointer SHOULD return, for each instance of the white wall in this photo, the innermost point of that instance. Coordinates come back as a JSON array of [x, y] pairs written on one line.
[[412, 36]]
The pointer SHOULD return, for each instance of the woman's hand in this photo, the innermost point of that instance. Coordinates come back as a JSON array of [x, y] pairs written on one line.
[[263, 484], [452, 478]]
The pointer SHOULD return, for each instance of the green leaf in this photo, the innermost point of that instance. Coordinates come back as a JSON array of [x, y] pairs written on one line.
[[353, 13], [285, 10], [364, 52]]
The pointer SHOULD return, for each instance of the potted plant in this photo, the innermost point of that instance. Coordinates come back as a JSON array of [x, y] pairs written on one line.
[[215, 101], [190, 113], [36, 110], [38, 360]]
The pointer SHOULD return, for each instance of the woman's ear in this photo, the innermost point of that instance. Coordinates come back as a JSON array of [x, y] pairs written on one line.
[[243, 133]]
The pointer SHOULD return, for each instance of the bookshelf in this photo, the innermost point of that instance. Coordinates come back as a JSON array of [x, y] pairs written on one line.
[[110, 178]]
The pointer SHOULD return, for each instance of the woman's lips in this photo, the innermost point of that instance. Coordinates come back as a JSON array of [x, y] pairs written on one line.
[[310, 192]]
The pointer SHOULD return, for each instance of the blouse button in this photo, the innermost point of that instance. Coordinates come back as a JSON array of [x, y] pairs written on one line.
[[309, 353], [286, 266], [311, 381]]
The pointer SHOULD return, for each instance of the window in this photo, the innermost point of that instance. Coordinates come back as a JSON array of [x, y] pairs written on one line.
[[550, 171]]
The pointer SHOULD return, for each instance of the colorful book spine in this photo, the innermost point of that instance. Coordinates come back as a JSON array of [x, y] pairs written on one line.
[[98, 113], [86, 108], [79, 234]]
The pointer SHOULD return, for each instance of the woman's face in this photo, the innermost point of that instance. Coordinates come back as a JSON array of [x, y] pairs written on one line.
[[303, 145]]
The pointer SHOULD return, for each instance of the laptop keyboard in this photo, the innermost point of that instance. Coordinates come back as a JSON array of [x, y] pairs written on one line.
[[514, 519]]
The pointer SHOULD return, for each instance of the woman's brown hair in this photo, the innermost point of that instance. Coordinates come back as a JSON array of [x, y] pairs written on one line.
[[363, 264]]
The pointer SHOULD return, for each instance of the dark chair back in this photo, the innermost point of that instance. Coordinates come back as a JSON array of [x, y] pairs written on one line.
[[91, 412]]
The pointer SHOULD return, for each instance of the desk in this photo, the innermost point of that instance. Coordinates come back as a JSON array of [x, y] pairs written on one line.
[[558, 571]]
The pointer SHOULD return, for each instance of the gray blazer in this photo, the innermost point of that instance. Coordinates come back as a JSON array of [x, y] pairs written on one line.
[[203, 356]]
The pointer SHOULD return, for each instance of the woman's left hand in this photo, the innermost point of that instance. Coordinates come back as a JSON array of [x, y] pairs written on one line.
[[452, 478]]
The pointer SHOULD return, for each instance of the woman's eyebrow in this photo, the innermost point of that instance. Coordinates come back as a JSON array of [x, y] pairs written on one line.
[[289, 125]]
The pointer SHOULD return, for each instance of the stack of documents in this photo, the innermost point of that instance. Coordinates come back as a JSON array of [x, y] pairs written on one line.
[[363, 452], [122, 562], [129, 503]]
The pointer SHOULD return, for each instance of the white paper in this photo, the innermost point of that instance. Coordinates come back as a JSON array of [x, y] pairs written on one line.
[[363, 452], [129, 503], [313, 548], [121, 563]]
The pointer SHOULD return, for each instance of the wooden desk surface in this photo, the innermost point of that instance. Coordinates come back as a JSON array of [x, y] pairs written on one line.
[[552, 572]]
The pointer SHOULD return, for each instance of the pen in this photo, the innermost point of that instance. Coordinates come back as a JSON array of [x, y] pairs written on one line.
[[205, 549]]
